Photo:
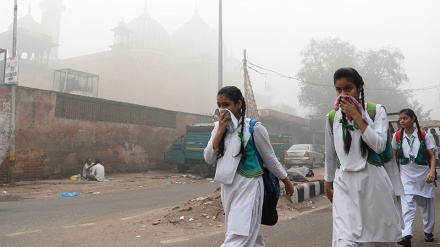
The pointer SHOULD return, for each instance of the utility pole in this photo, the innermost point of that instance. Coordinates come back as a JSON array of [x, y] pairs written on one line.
[[12, 144], [220, 48]]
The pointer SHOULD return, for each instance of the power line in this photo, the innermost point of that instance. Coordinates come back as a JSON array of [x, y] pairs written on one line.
[[275, 73]]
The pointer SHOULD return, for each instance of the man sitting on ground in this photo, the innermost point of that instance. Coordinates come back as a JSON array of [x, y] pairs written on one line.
[[97, 171]]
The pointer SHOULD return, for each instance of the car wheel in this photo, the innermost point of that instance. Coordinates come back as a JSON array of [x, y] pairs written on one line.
[[313, 163]]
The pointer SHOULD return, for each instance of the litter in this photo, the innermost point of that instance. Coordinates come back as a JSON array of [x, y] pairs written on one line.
[[96, 193], [69, 194], [74, 178]]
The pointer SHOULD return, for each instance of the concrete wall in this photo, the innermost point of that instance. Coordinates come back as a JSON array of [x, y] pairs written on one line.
[[50, 146]]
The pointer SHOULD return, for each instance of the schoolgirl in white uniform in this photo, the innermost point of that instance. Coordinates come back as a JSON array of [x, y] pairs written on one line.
[[365, 208], [238, 170], [414, 151]]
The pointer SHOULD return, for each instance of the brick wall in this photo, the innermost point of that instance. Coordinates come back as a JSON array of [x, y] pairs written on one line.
[[57, 132]]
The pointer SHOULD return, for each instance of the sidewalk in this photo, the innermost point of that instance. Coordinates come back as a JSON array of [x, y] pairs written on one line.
[[53, 188]]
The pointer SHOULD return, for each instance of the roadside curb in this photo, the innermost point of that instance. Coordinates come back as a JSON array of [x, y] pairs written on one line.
[[307, 190]]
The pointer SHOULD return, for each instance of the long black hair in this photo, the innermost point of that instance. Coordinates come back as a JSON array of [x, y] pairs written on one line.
[[353, 76], [412, 114], [234, 94]]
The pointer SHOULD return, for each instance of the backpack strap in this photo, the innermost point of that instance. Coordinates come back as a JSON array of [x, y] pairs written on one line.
[[251, 127], [397, 134], [371, 110], [331, 118]]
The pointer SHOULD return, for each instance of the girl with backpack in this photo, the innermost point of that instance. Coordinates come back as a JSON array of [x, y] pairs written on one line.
[[364, 204], [239, 170], [414, 151]]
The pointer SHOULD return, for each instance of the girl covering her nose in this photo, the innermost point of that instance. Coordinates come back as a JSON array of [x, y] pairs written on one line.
[[239, 169], [365, 207]]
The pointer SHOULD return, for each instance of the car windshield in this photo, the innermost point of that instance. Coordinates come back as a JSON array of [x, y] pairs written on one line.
[[299, 147]]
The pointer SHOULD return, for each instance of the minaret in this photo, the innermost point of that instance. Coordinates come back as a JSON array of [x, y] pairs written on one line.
[[51, 21]]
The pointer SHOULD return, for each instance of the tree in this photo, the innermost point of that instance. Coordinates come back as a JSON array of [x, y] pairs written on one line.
[[381, 70]]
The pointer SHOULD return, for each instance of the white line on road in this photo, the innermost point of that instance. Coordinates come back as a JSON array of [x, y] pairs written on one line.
[[22, 233], [170, 241], [73, 226], [135, 216]]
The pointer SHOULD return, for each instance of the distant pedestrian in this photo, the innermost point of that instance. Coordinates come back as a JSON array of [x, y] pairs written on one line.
[[365, 207], [435, 136], [391, 129], [239, 169], [413, 149]]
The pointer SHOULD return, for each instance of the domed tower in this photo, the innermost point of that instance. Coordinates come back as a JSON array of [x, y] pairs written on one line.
[[194, 48], [121, 37], [33, 43], [148, 37], [51, 21]]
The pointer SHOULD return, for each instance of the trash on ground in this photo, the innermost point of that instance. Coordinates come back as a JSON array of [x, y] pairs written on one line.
[[96, 193], [74, 178], [69, 194]]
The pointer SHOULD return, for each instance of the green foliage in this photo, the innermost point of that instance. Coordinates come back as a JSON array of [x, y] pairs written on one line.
[[380, 70]]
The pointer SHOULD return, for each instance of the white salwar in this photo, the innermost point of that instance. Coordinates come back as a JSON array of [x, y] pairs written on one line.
[[417, 191], [242, 197], [365, 207]]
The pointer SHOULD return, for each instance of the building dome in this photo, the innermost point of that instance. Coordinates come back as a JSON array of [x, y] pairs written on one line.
[[148, 35], [30, 25], [194, 41]]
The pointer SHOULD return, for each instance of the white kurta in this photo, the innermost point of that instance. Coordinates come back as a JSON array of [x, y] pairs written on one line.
[[414, 175], [365, 208], [242, 199]]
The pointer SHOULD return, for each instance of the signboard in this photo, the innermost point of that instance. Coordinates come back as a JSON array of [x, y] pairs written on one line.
[[11, 72], [2, 65]]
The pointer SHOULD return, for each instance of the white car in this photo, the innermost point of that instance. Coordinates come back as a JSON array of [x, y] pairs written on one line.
[[303, 154]]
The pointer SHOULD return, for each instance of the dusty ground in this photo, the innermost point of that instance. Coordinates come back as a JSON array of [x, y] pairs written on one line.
[[201, 216]]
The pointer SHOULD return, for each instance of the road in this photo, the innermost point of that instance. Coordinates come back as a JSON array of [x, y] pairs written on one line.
[[40, 222], [111, 221]]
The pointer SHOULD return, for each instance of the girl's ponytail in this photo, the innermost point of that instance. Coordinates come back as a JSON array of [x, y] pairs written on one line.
[[426, 154], [347, 140], [243, 112]]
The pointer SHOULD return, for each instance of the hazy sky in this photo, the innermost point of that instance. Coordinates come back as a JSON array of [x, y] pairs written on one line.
[[273, 32]]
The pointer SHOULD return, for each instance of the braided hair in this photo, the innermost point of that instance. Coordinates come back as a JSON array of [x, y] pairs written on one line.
[[412, 114], [353, 76], [234, 94]]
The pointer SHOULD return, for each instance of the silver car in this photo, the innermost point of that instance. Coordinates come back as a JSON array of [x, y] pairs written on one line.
[[303, 154]]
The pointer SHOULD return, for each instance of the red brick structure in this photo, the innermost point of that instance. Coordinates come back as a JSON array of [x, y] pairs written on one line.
[[57, 132]]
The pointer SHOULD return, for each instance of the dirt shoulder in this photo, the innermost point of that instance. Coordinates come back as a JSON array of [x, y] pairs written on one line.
[[198, 217]]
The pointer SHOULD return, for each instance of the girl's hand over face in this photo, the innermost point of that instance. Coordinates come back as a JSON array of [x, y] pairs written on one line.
[[223, 121], [350, 108]]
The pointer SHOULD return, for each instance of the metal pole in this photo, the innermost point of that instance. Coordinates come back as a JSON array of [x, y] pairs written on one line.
[[12, 144], [220, 48]]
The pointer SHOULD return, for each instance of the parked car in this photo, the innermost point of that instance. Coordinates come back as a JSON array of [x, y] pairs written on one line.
[[303, 155]]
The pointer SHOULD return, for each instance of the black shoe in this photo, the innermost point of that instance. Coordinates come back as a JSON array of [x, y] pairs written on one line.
[[429, 237], [406, 241]]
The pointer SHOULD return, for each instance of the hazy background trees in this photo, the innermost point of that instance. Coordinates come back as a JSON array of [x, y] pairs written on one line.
[[381, 70]]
